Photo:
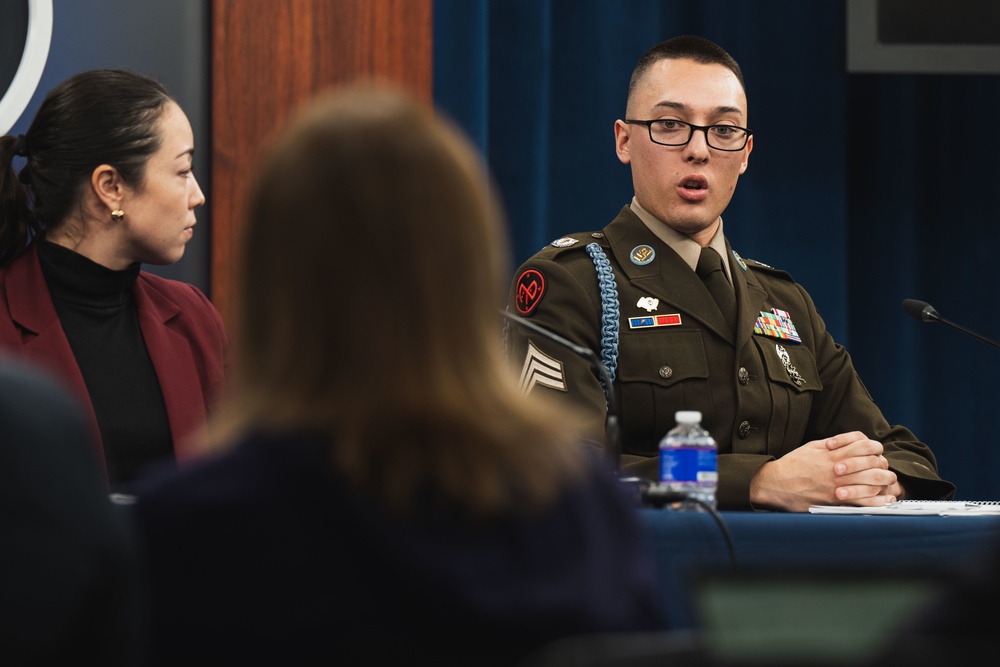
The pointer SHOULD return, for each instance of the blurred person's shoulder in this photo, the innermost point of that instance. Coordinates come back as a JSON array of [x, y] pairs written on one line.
[[245, 471], [37, 409]]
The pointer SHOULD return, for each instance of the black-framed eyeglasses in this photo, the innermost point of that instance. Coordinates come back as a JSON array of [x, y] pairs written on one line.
[[669, 132]]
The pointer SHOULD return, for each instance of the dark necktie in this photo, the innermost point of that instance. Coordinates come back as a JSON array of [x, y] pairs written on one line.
[[713, 274]]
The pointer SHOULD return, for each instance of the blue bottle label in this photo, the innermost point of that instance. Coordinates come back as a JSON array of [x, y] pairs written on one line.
[[693, 465]]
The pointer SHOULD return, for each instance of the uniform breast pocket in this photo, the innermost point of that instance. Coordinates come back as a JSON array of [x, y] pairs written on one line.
[[793, 379], [791, 365], [663, 360], [659, 374]]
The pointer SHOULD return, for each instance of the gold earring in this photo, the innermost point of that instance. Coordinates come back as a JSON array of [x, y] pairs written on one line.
[[117, 215]]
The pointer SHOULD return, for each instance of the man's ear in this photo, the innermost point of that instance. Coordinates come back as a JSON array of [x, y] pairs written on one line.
[[746, 155], [107, 185], [622, 148]]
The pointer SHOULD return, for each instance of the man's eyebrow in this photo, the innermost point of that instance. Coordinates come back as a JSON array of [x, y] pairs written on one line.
[[680, 106], [671, 105]]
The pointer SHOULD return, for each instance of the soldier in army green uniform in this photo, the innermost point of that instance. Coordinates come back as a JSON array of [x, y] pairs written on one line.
[[794, 424]]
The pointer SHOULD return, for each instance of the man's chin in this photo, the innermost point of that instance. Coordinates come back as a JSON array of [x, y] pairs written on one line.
[[690, 226]]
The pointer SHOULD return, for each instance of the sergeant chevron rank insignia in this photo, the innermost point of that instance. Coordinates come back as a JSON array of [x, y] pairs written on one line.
[[776, 324], [539, 368]]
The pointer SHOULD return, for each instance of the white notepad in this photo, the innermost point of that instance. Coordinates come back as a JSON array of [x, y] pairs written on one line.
[[918, 508]]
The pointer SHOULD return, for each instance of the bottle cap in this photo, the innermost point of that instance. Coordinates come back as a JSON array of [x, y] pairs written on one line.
[[688, 416]]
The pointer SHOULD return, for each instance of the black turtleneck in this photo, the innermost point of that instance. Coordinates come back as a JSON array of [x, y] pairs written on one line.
[[98, 314]]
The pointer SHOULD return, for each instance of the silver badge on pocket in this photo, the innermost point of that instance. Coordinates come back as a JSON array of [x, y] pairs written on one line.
[[787, 363]]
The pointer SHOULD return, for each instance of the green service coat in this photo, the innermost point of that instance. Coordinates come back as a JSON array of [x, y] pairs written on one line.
[[761, 393]]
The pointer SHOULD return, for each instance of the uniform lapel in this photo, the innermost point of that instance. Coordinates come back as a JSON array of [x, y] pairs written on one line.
[[667, 277], [750, 297]]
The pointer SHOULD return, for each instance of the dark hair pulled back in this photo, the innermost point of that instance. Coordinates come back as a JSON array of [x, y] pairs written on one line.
[[104, 116]]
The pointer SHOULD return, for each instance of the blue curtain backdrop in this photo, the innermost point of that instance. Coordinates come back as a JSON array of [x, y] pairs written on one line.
[[868, 188]]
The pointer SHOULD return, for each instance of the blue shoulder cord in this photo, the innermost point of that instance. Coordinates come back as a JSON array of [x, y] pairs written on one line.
[[609, 310]]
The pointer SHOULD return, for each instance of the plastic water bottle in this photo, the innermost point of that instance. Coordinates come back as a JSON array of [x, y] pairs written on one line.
[[688, 461]]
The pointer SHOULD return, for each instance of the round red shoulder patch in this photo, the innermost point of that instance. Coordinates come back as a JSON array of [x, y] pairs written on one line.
[[528, 290]]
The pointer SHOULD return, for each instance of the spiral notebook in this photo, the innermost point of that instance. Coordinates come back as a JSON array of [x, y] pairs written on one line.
[[918, 508]]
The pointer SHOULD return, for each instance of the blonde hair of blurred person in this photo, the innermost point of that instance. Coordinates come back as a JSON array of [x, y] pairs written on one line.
[[389, 491], [375, 262]]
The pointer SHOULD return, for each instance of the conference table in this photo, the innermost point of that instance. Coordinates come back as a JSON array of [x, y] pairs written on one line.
[[689, 544]]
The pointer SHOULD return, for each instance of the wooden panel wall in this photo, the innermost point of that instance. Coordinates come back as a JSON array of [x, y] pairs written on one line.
[[268, 56]]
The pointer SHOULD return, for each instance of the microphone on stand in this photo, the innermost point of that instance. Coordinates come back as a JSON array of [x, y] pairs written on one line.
[[925, 312], [611, 428]]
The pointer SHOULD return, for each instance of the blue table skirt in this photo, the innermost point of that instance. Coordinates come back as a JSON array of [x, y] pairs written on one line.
[[687, 543]]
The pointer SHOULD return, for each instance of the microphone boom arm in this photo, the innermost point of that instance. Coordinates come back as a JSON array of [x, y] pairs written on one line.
[[925, 312], [970, 333]]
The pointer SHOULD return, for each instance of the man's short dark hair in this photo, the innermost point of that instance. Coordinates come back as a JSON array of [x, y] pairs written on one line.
[[692, 47]]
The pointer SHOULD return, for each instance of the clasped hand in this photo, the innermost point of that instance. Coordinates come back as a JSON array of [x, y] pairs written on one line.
[[847, 469]]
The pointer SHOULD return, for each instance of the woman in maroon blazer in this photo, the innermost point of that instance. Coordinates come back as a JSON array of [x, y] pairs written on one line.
[[106, 185]]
